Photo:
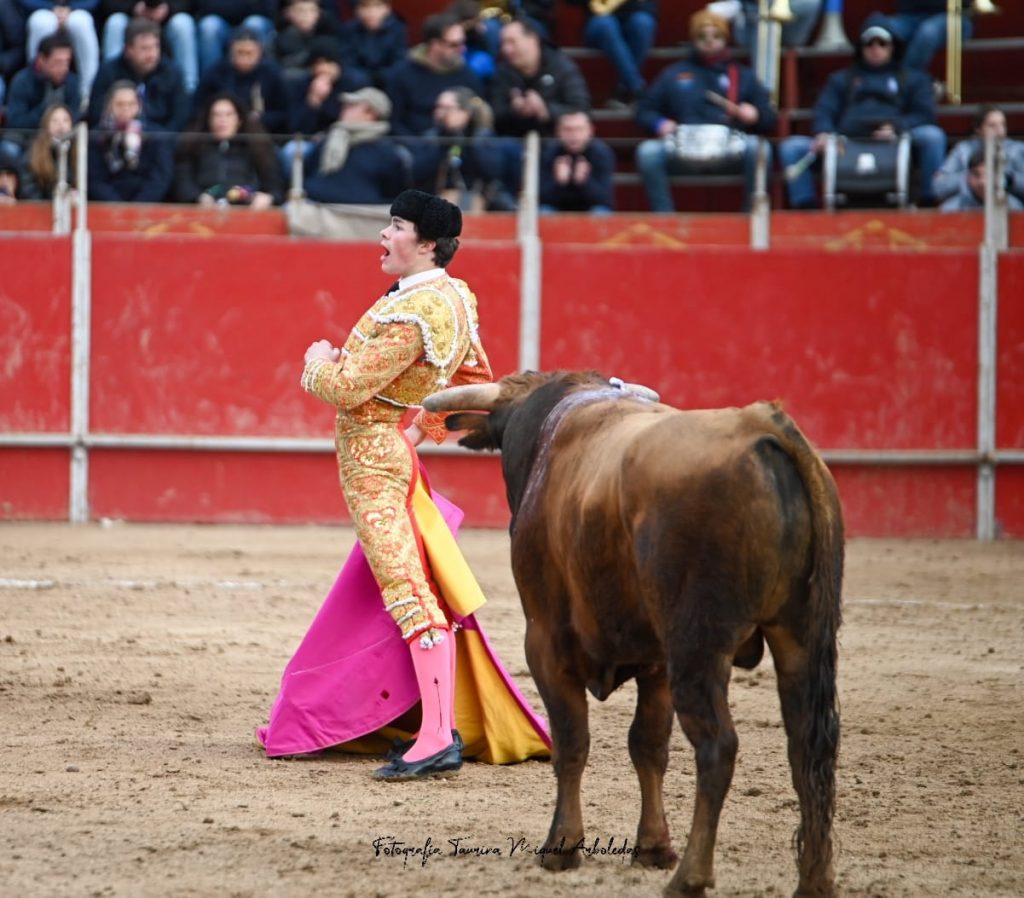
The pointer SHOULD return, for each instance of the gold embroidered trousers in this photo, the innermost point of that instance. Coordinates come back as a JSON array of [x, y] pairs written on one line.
[[378, 471]]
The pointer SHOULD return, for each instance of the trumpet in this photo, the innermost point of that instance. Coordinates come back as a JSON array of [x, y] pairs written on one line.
[[831, 36], [605, 7], [954, 42], [954, 49], [769, 42]]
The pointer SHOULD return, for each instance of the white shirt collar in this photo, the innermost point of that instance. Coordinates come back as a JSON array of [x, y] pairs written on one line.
[[421, 277]]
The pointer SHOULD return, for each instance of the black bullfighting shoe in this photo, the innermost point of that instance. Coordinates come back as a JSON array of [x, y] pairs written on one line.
[[400, 746], [446, 762]]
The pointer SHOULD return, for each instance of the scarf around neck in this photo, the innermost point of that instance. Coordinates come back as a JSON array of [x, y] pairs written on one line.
[[342, 136]]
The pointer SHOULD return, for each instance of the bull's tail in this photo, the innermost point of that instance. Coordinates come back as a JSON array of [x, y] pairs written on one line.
[[819, 739]]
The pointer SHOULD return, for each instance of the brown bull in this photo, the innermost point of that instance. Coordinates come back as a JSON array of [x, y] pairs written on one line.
[[668, 546]]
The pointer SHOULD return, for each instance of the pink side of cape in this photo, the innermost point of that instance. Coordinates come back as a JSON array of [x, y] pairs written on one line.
[[352, 673]]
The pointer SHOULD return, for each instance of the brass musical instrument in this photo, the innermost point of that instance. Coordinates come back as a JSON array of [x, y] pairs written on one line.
[[831, 36], [495, 9], [954, 43], [769, 43], [605, 7]]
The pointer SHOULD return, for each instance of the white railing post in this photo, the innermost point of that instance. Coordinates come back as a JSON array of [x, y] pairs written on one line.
[[760, 219], [81, 322], [988, 286], [530, 265]]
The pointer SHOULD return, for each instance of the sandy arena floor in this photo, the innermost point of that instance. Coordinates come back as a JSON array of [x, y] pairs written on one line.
[[135, 662]]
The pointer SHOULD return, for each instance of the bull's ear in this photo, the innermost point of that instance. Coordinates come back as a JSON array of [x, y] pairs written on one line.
[[477, 433]]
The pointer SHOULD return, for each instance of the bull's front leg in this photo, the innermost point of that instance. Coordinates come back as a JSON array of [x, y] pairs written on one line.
[[565, 702]]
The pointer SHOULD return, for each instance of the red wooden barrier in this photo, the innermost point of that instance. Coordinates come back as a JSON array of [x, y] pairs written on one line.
[[869, 350]]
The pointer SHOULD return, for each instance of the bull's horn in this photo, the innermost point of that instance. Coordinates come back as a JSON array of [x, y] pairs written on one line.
[[637, 389], [642, 391], [471, 396]]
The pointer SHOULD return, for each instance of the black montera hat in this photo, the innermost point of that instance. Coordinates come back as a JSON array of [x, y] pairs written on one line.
[[433, 216]]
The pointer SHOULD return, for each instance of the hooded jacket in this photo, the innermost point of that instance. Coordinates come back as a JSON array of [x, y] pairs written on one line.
[[861, 98]]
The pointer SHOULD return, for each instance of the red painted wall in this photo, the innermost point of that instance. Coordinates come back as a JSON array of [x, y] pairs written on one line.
[[205, 336]]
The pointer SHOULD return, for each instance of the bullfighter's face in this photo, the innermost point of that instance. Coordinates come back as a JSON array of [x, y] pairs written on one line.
[[404, 252]]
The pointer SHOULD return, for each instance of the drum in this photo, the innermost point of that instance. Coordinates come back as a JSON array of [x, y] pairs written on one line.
[[706, 144]]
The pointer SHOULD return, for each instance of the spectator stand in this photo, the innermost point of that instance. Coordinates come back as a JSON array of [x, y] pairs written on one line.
[[990, 75]]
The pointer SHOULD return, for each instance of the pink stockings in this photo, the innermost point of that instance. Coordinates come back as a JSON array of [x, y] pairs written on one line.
[[435, 675]]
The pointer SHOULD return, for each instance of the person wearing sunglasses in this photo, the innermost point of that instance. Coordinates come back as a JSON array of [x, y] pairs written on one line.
[[878, 98]]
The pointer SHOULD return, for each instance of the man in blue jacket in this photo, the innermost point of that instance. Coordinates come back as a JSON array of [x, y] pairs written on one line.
[[48, 80], [707, 89], [158, 81], [255, 80], [878, 98]]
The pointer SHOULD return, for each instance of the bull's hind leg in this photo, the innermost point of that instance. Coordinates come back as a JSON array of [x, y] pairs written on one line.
[[700, 686], [807, 694], [648, 747], [565, 701]]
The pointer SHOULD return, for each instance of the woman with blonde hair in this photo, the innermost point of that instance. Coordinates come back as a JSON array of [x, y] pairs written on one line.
[[42, 158]]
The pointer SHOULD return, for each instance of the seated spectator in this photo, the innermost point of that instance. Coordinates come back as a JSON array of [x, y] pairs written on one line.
[[576, 168], [177, 29], [158, 80], [481, 48], [48, 80], [316, 101], [226, 159], [10, 179], [303, 23], [534, 83], [74, 17], [218, 19], [40, 173], [357, 162], [952, 176], [374, 39], [971, 195], [795, 33], [873, 98], [707, 89], [625, 37], [255, 80], [415, 83], [12, 44], [468, 160], [127, 163], [920, 25]]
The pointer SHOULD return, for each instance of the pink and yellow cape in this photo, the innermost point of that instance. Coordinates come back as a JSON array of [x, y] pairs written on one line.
[[351, 677]]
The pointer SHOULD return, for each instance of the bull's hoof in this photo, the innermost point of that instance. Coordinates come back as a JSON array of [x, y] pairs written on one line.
[[673, 891], [660, 856], [824, 890], [558, 859], [688, 886]]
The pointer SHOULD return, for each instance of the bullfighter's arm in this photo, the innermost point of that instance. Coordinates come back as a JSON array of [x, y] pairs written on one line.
[[475, 369], [354, 379]]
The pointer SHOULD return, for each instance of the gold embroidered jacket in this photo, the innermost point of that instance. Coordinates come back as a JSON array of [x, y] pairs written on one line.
[[408, 345]]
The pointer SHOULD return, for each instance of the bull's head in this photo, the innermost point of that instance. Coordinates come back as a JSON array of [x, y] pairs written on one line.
[[508, 415]]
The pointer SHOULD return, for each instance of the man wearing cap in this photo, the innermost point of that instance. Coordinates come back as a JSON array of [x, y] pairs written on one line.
[[416, 339], [875, 98], [707, 89], [356, 162]]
